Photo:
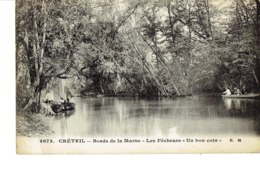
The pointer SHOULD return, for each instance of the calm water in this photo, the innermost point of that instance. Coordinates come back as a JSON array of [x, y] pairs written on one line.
[[132, 117]]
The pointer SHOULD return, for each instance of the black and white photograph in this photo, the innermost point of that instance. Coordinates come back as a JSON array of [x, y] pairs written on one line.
[[137, 76]]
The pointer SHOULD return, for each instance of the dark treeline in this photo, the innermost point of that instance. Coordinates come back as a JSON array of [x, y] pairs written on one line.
[[155, 48]]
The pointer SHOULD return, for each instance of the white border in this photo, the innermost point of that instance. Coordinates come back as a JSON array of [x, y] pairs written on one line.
[[12, 163]]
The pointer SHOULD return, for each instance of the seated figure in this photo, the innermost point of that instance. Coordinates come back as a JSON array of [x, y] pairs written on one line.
[[227, 92], [244, 91], [237, 91]]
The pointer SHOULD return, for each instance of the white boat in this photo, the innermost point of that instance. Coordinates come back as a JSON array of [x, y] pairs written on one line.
[[242, 96]]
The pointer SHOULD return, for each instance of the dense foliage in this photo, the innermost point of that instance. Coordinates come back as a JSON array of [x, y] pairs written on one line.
[[146, 48]]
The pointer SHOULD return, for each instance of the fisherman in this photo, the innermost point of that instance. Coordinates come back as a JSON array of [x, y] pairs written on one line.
[[64, 103], [244, 92], [227, 92], [237, 91], [67, 98]]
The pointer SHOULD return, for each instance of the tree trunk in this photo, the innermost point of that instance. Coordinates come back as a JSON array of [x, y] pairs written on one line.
[[206, 2], [257, 26], [38, 53], [163, 63], [38, 93]]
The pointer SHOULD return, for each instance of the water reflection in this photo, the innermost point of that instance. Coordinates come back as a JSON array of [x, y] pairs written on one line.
[[228, 103], [106, 117]]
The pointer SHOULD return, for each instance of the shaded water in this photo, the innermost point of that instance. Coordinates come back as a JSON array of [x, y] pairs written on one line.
[[132, 117]]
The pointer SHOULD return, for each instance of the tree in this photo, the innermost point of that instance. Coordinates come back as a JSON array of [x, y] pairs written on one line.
[[49, 38], [243, 64]]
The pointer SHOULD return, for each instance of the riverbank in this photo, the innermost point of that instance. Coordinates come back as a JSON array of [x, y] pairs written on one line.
[[32, 125], [150, 96], [130, 95]]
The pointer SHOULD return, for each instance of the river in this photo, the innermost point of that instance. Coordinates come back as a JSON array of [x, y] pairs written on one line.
[[179, 117]]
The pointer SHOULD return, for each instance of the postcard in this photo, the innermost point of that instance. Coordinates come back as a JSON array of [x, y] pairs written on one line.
[[137, 76]]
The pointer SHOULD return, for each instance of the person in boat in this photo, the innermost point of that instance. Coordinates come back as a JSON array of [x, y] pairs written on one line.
[[227, 92], [244, 91], [237, 91], [65, 102], [67, 98]]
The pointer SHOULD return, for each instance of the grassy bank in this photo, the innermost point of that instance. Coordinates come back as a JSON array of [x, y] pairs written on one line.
[[32, 125]]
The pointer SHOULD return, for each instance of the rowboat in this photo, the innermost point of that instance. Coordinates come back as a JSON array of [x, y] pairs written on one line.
[[251, 96], [62, 107]]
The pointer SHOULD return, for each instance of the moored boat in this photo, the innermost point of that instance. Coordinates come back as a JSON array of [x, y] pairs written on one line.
[[252, 96], [62, 107]]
